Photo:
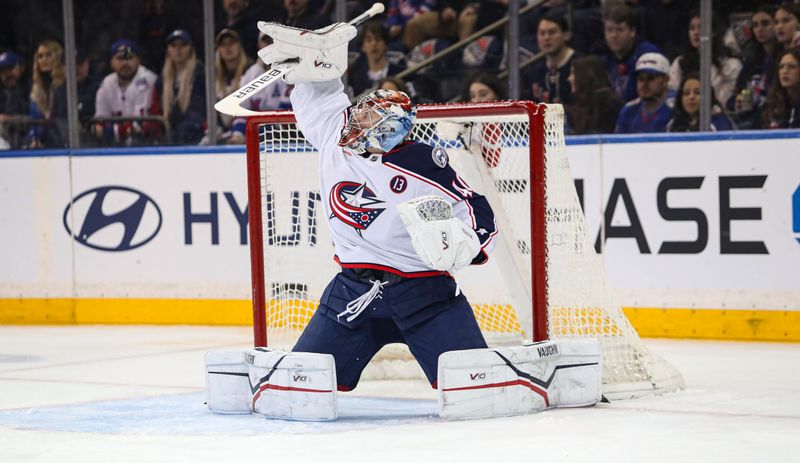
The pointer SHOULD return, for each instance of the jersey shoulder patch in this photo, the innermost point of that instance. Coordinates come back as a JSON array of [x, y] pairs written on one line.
[[439, 156]]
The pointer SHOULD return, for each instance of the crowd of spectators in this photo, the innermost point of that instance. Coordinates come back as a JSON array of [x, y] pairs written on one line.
[[617, 66]]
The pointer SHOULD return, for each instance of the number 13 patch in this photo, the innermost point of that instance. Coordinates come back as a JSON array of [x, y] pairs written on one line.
[[398, 184]]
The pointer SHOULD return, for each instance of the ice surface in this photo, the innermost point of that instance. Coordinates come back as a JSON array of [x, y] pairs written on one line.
[[119, 394]]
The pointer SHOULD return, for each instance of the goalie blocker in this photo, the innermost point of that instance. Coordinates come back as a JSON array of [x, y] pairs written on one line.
[[475, 383]]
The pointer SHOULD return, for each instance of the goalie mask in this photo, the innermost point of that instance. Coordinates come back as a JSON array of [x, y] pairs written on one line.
[[380, 120]]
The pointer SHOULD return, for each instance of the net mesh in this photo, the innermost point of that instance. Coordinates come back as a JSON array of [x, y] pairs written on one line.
[[492, 154]]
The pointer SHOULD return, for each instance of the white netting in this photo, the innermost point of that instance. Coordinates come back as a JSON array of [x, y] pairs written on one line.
[[492, 154]]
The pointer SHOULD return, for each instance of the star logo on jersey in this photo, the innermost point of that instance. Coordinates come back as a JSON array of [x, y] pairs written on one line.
[[349, 203]]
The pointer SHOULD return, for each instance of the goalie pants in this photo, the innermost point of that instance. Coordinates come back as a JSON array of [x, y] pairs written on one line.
[[423, 313]]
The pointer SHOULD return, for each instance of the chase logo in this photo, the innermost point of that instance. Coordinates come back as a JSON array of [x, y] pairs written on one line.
[[796, 214], [113, 218]]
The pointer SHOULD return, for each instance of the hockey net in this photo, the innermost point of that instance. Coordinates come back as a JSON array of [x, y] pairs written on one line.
[[543, 281]]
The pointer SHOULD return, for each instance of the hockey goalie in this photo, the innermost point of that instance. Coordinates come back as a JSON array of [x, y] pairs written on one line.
[[402, 221]]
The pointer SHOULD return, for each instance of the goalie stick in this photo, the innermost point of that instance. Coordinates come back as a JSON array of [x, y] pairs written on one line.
[[231, 104]]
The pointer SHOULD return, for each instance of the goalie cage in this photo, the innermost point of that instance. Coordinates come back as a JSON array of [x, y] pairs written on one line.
[[543, 280]]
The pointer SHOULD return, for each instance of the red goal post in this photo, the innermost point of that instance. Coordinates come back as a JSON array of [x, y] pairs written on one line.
[[544, 280]]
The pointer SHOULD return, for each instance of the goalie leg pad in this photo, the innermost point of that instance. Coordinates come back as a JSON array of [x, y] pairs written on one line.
[[506, 381], [292, 385], [227, 382]]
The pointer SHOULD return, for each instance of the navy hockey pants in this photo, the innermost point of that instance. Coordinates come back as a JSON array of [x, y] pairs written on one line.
[[423, 313]]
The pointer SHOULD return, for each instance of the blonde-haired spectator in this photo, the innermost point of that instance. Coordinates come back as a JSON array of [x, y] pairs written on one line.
[[179, 94], [48, 96], [230, 64]]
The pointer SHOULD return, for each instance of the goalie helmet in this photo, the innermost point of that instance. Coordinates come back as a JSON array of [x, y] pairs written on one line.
[[379, 120]]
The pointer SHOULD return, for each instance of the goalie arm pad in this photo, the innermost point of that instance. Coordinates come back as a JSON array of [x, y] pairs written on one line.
[[507, 381], [307, 56], [275, 384], [441, 241]]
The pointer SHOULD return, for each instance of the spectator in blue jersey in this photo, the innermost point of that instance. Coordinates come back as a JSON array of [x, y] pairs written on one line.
[[686, 114], [375, 62], [179, 94], [782, 109], [619, 29], [546, 81], [653, 109]]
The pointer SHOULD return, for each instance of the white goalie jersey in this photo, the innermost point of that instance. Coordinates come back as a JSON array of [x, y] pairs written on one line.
[[360, 195]]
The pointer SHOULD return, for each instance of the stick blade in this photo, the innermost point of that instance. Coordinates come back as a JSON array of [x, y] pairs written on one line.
[[232, 104]]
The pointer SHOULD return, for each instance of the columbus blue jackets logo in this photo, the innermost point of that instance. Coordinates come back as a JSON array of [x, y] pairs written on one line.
[[350, 203]]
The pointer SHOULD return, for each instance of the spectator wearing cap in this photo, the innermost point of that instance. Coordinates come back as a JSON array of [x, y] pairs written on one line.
[[299, 14], [179, 93], [724, 68], [48, 106], [374, 63], [546, 79], [686, 114], [230, 63], [125, 92], [624, 49], [652, 110], [13, 99]]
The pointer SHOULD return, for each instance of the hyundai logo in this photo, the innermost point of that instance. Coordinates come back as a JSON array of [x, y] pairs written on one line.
[[113, 218]]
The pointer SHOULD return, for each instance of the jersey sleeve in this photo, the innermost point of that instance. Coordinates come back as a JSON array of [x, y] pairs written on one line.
[[320, 110], [102, 107], [468, 205]]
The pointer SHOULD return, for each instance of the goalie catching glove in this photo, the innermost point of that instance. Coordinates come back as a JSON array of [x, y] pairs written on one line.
[[442, 242], [307, 56]]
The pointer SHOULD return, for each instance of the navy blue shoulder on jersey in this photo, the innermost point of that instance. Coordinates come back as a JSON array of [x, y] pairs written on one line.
[[419, 159]]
